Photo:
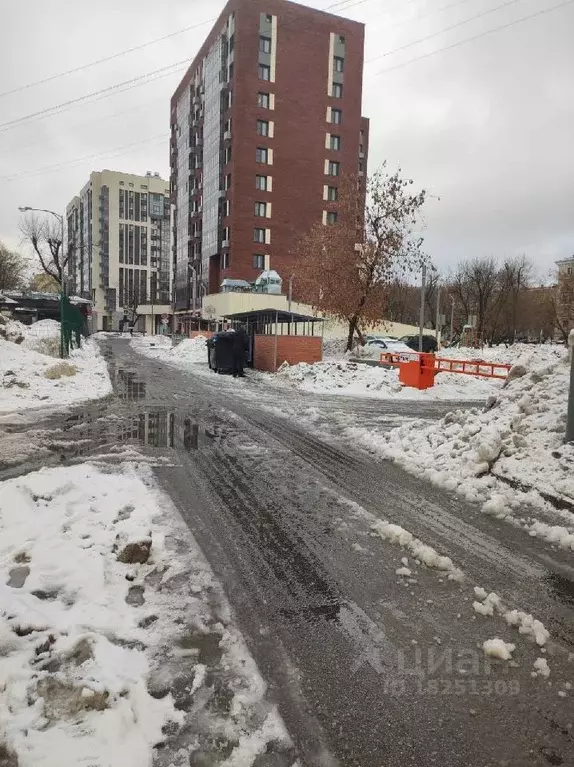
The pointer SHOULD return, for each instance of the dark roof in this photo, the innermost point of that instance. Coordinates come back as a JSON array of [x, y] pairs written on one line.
[[272, 315]]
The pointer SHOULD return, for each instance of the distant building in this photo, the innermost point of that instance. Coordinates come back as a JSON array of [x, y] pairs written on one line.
[[565, 267], [565, 296], [118, 232], [263, 125]]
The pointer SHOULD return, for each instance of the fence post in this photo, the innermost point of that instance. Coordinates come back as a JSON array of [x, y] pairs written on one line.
[[570, 416]]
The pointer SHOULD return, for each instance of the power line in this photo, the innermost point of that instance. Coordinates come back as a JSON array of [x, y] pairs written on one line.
[[477, 37], [64, 105], [135, 48], [114, 150], [448, 29], [126, 85], [106, 58], [424, 15]]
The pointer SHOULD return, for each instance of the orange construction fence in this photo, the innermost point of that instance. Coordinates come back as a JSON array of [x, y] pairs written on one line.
[[419, 370]]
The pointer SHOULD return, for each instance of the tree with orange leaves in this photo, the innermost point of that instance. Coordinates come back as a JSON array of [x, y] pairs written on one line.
[[346, 268]]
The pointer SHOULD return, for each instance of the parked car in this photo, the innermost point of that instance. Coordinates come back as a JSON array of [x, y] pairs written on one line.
[[429, 343], [381, 344]]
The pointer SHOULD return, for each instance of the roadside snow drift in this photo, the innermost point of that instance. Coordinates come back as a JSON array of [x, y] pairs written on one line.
[[190, 351], [356, 379], [504, 456], [32, 376], [106, 614]]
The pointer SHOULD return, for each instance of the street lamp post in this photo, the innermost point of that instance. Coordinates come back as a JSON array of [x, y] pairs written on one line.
[[60, 219]]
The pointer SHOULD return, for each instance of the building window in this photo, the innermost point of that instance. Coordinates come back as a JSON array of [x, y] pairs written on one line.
[[262, 127], [261, 183], [262, 154], [336, 116], [333, 168], [337, 91], [258, 261], [264, 100], [264, 44], [225, 261], [228, 181], [258, 235], [261, 209], [335, 142], [331, 217], [264, 72], [332, 193], [338, 64]]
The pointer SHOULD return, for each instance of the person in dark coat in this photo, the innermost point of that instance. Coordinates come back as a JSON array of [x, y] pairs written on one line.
[[240, 348]]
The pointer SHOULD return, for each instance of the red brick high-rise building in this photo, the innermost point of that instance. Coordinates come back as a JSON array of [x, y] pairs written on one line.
[[263, 125]]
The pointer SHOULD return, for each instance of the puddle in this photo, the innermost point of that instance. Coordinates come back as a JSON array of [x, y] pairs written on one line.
[[207, 645], [18, 576], [135, 596], [128, 386]]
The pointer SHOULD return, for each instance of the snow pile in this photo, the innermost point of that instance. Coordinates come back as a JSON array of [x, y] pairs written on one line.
[[12, 330], [498, 648], [541, 668], [189, 352], [193, 350], [43, 336], [419, 550], [25, 377], [507, 455], [73, 689], [524, 622], [352, 378], [105, 606]]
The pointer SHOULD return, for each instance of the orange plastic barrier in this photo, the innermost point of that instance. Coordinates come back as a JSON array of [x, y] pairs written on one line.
[[419, 370]]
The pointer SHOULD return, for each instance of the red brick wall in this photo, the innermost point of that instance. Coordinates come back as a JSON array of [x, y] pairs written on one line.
[[291, 349], [298, 145]]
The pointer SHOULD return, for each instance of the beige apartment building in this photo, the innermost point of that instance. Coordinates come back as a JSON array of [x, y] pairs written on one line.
[[119, 237]]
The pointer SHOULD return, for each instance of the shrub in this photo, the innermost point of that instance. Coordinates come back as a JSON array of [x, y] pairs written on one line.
[[59, 370]]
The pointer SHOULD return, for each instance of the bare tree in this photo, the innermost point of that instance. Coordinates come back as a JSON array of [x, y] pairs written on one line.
[[44, 234], [12, 269], [345, 270], [474, 286]]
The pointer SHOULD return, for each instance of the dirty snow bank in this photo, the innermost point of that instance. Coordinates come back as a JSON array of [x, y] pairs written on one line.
[[190, 351], [87, 678], [352, 378], [23, 371], [508, 455]]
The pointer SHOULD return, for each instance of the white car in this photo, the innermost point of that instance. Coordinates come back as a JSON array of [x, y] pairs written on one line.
[[389, 344]]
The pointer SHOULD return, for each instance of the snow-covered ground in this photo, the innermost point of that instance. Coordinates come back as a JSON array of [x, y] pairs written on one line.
[[508, 456], [359, 380], [32, 376], [111, 625], [342, 376]]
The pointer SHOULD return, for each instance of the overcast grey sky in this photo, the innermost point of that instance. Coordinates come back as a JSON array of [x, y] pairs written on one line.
[[487, 126]]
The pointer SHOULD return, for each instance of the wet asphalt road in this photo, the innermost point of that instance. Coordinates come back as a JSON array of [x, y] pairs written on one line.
[[368, 668]]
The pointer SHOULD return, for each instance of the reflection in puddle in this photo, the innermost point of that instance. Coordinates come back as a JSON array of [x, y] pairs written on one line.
[[156, 428], [128, 387]]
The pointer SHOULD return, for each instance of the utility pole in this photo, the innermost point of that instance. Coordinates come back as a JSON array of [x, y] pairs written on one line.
[[291, 290], [422, 315], [451, 319], [437, 321], [570, 416]]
